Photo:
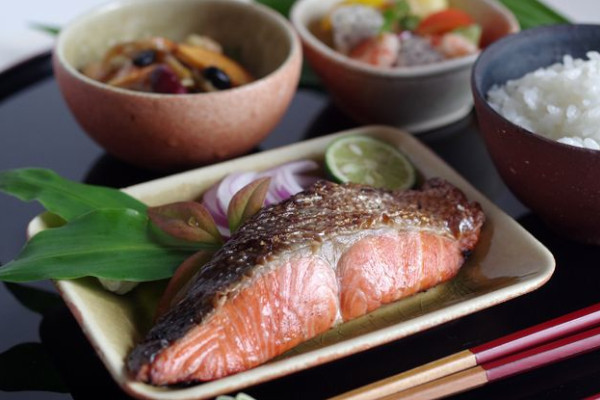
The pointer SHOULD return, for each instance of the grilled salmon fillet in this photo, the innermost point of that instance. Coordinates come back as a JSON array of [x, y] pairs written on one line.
[[326, 255]]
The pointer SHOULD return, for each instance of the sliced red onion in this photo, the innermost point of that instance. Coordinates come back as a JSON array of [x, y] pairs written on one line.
[[272, 197], [230, 185], [306, 181], [212, 205], [286, 181]]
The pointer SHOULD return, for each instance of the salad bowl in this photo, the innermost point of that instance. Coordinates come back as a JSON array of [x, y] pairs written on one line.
[[416, 98]]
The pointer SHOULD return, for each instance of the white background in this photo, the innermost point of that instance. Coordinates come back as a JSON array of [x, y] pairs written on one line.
[[19, 41]]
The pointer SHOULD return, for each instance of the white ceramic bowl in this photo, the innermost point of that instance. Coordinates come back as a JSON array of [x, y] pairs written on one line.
[[416, 98]]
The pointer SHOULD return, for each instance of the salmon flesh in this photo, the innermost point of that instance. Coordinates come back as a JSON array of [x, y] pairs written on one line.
[[326, 255]]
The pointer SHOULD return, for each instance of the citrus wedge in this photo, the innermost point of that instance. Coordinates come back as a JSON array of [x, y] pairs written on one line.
[[365, 160]]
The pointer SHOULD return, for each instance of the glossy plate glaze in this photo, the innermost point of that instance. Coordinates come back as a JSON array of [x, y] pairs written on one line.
[[507, 263]]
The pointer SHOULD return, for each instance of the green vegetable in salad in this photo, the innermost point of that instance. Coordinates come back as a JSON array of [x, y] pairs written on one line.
[[471, 32], [398, 16]]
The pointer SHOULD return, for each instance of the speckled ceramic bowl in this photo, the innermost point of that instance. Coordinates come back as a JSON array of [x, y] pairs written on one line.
[[417, 98], [159, 131], [560, 183]]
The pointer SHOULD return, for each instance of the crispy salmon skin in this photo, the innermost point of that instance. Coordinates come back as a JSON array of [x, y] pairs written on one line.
[[326, 255]]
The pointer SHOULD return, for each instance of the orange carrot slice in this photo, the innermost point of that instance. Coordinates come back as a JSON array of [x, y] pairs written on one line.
[[201, 58]]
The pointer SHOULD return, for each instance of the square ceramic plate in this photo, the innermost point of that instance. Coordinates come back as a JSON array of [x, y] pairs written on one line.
[[507, 263]]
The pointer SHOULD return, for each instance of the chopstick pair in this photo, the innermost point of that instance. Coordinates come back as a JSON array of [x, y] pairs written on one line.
[[566, 336], [504, 367]]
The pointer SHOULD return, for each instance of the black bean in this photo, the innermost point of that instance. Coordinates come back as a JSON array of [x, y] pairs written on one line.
[[144, 58], [217, 77]]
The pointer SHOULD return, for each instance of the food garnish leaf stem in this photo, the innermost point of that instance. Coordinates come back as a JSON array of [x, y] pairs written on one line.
[[186, 220], [247, 202]]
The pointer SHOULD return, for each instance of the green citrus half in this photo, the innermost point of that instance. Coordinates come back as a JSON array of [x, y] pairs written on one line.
[[365, 160]]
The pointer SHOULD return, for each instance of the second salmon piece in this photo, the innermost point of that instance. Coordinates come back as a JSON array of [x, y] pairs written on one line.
[[327, 255]]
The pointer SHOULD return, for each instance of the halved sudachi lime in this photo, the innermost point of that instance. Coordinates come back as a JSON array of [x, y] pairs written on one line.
[[365, 160]]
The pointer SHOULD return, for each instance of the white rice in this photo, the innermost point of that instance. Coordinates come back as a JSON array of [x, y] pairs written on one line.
[[561, 102]]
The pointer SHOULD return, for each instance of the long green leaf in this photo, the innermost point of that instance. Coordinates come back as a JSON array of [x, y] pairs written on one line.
[[309, 79], [63, 197], [281, 6], [111, 243], [52, 30], [531, 13]]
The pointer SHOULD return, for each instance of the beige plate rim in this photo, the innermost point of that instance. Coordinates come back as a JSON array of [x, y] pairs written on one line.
[[91, 320]]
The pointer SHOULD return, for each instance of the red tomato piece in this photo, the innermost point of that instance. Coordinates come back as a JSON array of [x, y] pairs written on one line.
[[444, 21]]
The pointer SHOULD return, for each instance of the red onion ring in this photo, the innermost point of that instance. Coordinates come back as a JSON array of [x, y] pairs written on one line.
[[286, 181]]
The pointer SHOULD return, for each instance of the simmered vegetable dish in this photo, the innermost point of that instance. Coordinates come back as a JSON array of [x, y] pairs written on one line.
[[160, 65]]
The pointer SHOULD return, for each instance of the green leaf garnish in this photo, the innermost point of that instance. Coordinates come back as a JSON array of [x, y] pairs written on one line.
[[186, 220], [49, 29], [63, 197], [309, 79], [281, 6], [533, 13], [247, 202], [117, 244]]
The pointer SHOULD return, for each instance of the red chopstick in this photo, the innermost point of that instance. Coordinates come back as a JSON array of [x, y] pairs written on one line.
[[513, 364], [486, 354], [546, 331]]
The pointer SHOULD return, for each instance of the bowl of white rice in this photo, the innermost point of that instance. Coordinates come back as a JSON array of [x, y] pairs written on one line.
[[537, 97]]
